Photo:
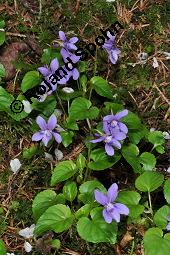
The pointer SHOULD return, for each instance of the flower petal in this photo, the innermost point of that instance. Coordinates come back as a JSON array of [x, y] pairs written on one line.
[[98, 140], [109, 149], [41, 123], [37, 136], [121, 114], [115, 215], [27, 246], [112, 192], [54, 65], [15, 165], [46, 139], [44, 71], [100, 197], [119, 135], [121, 208], [107, 216], [73, 40], [52, 122], [57, 137], [58, 154], [116, 143], [62, 36], [123, 127], [75, 74], [71, 46], [168, 226]]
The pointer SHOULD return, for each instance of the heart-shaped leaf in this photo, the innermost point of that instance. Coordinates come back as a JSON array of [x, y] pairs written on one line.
[[149, 181]]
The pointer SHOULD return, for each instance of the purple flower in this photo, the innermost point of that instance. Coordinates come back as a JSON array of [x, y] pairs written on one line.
[[111, 50], [68, 44], [168, 225], [110, 141], [112, 124], [111, 210], [65, 54], [46, 133]]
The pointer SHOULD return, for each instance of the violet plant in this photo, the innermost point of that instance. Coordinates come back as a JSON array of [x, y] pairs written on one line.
[[75, 204]]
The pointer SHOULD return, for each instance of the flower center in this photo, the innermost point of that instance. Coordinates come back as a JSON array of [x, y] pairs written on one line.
[[114, 123], [109, 207], [108, 139], [47, 132]]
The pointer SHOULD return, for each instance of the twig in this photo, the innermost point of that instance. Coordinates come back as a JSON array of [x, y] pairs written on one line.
[[162, 95], [15, 34]]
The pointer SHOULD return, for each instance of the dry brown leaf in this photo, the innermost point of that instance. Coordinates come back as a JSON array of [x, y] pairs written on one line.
[[9, 55], [126, 239]]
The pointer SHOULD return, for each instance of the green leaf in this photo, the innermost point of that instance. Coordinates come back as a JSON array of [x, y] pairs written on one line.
[[67, 137], [70, 190], [30, 80], [167, 190], [81, 162], [56, 244], [30, 152], [2, 37], [81, 109], [5, 100], [132, 121], [56, 218], [156, 138], [44, 200], [155, 243], [63, 171], [101, 161], [130, 153], [148, 161], [87, 191], [131, 199], [160, 217], [83, 211], [113, 106], [49, 54], [2, 24], [102, 87], [149, 181], [83, 82], [2, 71], [47, 107], [2, 248], [97, 230]]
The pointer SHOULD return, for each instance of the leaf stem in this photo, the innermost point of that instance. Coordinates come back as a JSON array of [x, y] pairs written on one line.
[[150, 203]]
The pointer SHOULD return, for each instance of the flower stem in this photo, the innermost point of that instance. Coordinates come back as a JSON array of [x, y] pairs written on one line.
[[150, 202]]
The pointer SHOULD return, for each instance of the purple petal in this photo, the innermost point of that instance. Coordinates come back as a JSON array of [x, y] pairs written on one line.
[[62, 36], [52, 122], [123, 127], [116, 144], [168, 218], [107, 216], [108, 118], [54, 65], [71, 46], [75, 74], [168, 226], [73, 40], [41, 123], [115, 215], [112, 192], [121, 208], [57, 137], [119, 135], [46, 139], [62, 81], [121, 114], [98, 140], [44, 71], [100, 197], [64, 54], [37, 136], [109, 149]]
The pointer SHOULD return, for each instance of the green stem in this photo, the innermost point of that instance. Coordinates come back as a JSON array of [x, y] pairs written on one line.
[[150, 202]]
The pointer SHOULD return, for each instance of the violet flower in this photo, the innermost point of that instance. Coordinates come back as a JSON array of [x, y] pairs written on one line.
[[168, 225], [112, 124], [68, 44], [111, 50], [46, 133], [110, 141], [111, 209], [65, 54]]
